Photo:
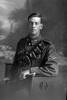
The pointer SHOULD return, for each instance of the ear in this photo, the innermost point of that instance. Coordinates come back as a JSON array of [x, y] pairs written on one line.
[[41, 27]]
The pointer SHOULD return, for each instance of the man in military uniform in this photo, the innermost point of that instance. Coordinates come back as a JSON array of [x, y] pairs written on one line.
[[33, 52]]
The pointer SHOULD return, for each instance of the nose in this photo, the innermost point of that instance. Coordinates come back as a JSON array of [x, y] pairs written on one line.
[[33, 25]]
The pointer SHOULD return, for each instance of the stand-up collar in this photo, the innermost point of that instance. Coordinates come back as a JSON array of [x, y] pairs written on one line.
[[38, 38]]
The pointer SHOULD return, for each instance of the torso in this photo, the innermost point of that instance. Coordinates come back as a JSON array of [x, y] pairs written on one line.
[[35, 50]]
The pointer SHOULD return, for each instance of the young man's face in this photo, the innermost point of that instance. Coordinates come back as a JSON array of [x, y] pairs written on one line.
[[35, 26]]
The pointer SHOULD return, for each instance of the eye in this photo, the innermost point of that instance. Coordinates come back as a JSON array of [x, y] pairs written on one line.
[[36, 23]]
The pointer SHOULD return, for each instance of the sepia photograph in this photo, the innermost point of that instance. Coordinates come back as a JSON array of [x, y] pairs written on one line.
[[33, 49]]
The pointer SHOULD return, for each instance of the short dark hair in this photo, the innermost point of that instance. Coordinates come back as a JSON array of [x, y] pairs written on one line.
[[34, 15]]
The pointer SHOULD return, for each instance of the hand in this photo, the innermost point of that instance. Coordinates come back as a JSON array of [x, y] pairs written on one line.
[[27, 73]]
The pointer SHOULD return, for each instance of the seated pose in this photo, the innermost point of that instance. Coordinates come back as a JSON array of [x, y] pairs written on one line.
[[33, 51]]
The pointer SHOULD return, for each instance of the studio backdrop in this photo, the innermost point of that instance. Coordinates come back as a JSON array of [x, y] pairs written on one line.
[[14, 25]]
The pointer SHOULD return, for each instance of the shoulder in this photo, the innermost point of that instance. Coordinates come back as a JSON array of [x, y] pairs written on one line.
[[23, 40], [50, 46], [47, 43]]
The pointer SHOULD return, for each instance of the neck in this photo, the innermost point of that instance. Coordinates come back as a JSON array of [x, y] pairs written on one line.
[[35, 36]]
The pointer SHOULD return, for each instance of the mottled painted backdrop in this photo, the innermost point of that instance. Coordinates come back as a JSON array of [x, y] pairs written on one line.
[[13, 21]]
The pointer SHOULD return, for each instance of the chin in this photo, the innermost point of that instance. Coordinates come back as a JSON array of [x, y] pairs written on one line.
[[34, 34]]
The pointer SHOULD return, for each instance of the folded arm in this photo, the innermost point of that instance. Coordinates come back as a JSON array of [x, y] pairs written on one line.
[[50, 68]]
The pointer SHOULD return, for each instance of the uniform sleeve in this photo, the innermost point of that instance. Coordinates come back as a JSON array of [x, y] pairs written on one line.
[[50, 68], [19, 52], [15, 65]]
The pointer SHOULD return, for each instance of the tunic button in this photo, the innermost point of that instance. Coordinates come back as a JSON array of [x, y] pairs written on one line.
[[30, 55], [29, 44]]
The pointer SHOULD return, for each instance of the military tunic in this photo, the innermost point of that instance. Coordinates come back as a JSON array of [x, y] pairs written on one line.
[[35, 53]]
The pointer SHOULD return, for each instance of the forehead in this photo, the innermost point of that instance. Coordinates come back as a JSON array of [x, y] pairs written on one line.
[[35, 19]]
